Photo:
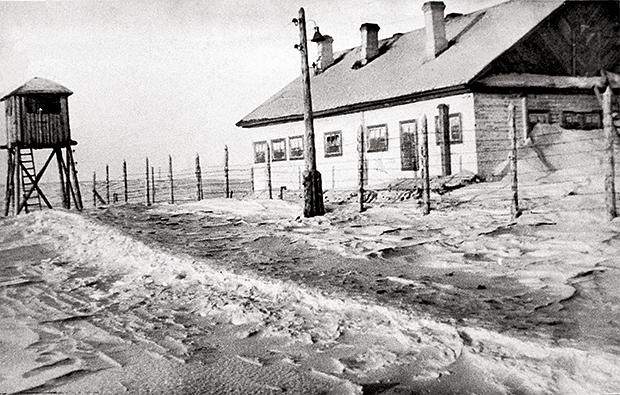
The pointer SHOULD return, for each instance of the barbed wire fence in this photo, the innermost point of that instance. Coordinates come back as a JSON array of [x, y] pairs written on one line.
[[157, 184], [535, 171]]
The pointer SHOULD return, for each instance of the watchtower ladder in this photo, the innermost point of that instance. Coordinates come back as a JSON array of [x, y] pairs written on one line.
[[28, 176]]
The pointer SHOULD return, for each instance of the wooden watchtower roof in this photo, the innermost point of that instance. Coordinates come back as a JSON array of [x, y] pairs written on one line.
[[39, 85], [37, 115]]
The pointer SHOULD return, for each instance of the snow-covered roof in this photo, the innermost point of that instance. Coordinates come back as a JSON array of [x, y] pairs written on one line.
[[39, 85], [402, 72]]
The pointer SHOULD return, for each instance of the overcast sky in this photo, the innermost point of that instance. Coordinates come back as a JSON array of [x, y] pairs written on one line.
[[159, 77]]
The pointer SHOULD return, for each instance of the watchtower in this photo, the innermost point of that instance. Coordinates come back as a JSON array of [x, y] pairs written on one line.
[[37, 118]]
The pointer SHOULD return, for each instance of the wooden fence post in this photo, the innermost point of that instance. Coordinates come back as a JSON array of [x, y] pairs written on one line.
[[148, 189], [198, 179], [360, 149], [269, 172], [252, 179], [444, 131], [107, 183], [94, 189], [125, 180], [226, 175], [514, 208], [153, 182], [610, 172], [426, 190], [171, 177]]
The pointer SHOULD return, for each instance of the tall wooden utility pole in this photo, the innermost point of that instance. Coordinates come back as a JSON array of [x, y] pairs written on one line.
[[313, 188]]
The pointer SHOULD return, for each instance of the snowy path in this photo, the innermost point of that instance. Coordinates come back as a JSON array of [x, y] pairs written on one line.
[[86, 308]]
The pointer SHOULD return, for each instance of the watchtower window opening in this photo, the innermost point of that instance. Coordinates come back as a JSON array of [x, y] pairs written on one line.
[[43, 105]]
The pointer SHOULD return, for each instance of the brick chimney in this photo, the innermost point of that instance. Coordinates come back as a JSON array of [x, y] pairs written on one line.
[[370, 42], [325, 54], [436, 40]]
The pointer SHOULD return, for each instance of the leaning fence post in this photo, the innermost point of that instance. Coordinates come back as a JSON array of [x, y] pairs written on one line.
[[125, 180], [226, 175], [426, 190], [148, 192], [514, 210], [610, 173], [198, 179], [269, 172], [360, 150], [171, 178]]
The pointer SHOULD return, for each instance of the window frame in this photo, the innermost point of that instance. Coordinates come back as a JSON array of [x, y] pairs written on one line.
[[415, 158], [379, 147], [327, 135], [530, 112], [451, 117], [257, 152], [281, 152], [581, 121], [290, 148]]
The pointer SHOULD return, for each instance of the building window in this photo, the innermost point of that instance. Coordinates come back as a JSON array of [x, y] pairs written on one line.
[[43, 104], [260, 151], [409, 145], [333, 143], [456, 129], [377, 138], [534, 117], [582, 120], [278, 150], [296, 147]]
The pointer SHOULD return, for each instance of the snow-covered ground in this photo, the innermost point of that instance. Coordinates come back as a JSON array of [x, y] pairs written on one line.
[[229, 296], [77, 294]]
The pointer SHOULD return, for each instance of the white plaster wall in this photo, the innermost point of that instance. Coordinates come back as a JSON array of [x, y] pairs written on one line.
[[341, 172]]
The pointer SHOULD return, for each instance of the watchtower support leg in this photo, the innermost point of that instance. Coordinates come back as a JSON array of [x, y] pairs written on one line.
[[10, 182], [77, 196], [61, 173], [18, 180], [65, 180], [68, 181]]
